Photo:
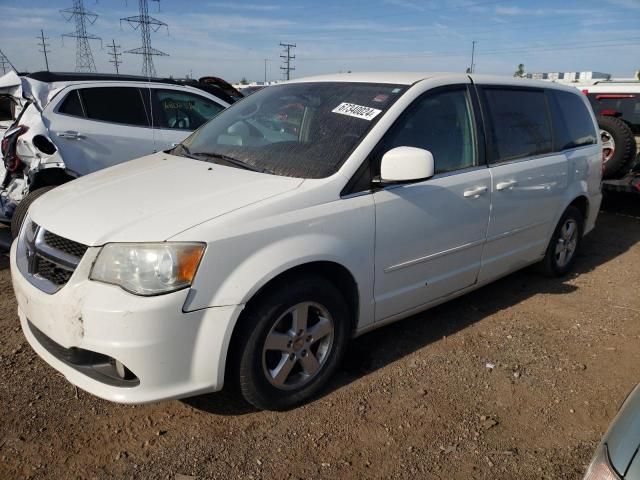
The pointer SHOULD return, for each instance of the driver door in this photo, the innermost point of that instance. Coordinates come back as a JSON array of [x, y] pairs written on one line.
[[430, 234]]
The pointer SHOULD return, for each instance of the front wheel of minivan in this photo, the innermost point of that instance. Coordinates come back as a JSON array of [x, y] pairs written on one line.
[[292, 340], [563, 247]]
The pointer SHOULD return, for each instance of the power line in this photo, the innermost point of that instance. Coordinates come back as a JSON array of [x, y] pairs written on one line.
[[44, 46], [84, 57], [287, 57], [115, 56], [146, 24]]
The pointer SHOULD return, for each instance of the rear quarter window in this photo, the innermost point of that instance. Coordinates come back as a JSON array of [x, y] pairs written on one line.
[[115, 104], [572, 123], [519, 123], [71, 105]]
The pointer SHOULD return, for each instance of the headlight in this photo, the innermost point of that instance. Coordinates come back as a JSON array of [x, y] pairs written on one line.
[[148, 268], [600, 467]]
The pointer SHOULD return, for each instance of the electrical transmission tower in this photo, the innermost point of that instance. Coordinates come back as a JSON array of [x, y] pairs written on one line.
[[44, 46], [4, 61], [84, 57], [286, 59], [146, 24], [115, 56]]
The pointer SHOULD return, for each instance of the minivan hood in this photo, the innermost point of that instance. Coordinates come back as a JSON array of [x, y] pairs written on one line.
[[151, 199]]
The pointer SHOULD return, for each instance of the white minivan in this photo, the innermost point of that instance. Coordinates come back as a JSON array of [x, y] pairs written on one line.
[[307, 213]]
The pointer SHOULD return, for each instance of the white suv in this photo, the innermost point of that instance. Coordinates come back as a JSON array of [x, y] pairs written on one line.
[[75, 124], [306, 214]]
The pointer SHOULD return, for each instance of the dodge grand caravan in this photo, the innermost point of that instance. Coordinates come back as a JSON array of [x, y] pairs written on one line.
[[308, 213]]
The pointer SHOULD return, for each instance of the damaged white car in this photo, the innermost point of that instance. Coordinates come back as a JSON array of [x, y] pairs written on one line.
[[69, 125]]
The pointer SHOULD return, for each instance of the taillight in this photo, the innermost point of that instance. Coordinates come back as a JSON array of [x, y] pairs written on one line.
[[12, 161], [585, 91]]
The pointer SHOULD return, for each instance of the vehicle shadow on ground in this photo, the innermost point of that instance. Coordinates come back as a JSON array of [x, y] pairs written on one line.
[[614, 235]]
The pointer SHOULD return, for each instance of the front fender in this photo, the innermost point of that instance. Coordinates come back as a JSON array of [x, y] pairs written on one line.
[[238, 265]]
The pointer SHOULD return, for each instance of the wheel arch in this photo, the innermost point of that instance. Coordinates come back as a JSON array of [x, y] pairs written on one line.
[[330, 270], [581, 202], [48, 177]]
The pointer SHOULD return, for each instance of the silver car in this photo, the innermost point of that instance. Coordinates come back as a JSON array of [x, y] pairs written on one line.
[[618, 455]]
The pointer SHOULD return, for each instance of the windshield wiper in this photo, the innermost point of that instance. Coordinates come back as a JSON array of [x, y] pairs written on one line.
[[226, 158]]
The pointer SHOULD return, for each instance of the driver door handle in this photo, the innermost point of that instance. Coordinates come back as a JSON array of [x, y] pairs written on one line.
[[71, 135], [475, 192], [506, 185]]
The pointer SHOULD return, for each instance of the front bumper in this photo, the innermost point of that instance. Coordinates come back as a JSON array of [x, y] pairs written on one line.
[[173, 354]]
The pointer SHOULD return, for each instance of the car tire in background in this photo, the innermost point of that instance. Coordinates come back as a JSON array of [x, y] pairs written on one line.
[[21, 210], [564, 245], [618, 145], [298, 328]]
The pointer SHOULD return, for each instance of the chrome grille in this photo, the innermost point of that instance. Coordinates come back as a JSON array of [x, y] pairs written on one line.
[[52, 272], [64, 245], [47, 260]]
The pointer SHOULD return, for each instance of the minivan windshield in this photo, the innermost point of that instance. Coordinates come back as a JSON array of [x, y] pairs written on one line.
[[304, 130]]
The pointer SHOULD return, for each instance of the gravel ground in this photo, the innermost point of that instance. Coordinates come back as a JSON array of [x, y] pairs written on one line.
[[416, 399]]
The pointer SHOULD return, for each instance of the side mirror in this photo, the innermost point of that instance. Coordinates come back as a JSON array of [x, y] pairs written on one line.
[[406, 164]]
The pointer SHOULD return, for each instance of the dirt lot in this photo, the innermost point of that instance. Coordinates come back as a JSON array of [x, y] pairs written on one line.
[[414, 400]]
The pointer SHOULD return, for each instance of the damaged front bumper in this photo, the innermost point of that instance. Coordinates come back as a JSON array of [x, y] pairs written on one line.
[[122, 347]]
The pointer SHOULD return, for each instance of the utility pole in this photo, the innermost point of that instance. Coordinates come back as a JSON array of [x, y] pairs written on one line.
[[44, 46], [265, 71], [81, 16], [4, 61], [115, 56], [473, 51], [287, 57], [146, 24]]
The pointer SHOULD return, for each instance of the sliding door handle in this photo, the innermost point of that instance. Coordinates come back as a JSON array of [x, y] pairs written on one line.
[[506, 185], [475, 192]]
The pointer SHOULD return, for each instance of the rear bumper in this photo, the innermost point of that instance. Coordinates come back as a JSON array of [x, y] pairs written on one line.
[[172, 354]]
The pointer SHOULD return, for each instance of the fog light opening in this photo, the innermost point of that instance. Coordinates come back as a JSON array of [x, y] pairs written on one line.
[[123, 372]]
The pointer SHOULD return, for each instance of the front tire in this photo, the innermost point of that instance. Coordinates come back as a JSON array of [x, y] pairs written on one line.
[[294, 338], [21, 210], [565, 242]]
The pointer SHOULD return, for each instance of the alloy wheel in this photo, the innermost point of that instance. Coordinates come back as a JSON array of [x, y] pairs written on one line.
[[567, 243], [298, 345]]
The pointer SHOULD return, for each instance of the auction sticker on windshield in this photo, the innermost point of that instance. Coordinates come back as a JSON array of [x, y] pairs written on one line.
[[358, 111]]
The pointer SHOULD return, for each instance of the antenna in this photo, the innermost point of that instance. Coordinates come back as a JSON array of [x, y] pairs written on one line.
[[287, 57], [44, 46], [146, 23], [115, 56], [84, 57], [472, 68]]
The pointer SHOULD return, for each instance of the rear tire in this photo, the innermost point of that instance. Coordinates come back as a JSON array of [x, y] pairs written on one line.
[[619, 147], [23, 207], [293, 339], [564, 245]]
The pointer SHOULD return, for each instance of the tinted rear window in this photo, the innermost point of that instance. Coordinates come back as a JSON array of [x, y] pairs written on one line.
[[520, 123], [115, 104], [621, 105], [572, 121], [71, 105]]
